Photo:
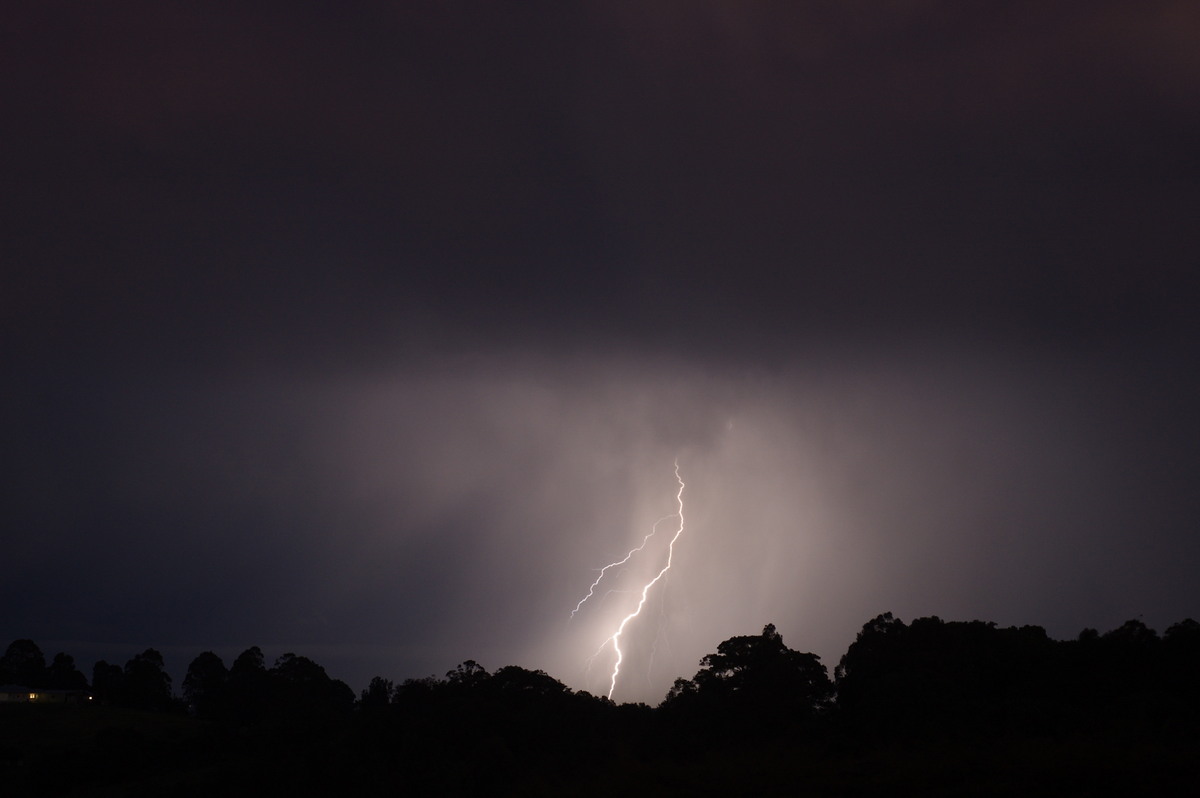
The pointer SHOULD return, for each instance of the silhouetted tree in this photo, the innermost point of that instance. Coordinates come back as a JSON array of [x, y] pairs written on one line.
[[467, 674], [870, 651], [1181, 676], [248, 686], [754, 685], [415, 697], [948, 678], [515, 680], [23, 663], [249, 662], [301, 687], [1123, 672], [682, 690], [147, 683], [63, 675], [108, 682], [1132, 633], [1186, 632], [204, 685], [764, 665], [377, 694]]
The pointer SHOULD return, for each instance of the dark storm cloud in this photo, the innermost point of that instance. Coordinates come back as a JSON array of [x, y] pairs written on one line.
[[374, 328], [772, 169]]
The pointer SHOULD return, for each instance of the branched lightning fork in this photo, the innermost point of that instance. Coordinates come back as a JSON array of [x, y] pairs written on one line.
[[615, 638], [633, 551]]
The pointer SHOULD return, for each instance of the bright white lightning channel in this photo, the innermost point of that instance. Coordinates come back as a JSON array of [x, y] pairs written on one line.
[[615, 637], [604, 570]]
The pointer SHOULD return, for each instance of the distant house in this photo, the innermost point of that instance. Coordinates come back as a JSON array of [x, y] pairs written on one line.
[[16, 693]]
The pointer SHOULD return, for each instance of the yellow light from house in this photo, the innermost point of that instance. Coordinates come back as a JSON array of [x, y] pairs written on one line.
[[33, 696]]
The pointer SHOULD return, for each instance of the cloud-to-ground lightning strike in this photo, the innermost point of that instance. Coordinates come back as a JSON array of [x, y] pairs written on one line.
[[604, 570], [615, 638]]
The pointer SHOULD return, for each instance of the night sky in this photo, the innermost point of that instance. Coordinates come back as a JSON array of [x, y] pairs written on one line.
[[369, 331]]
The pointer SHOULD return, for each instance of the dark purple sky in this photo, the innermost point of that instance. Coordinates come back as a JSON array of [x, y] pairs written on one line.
[[368, 331]]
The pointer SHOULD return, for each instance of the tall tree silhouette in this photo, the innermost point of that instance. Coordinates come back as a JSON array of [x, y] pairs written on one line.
[[108, 682], [247, 688], [23, 663], [204, 685], [378, 693], [754, 684], [63, 675], [147, 683], [300, 689]]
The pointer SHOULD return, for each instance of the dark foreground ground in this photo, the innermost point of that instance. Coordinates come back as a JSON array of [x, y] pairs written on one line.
[[90, 750]]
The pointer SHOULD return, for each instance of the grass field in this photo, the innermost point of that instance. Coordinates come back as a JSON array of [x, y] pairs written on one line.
[[104, 751]]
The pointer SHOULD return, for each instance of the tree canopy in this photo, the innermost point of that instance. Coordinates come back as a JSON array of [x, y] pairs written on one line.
[[757, 679], [947, 685]]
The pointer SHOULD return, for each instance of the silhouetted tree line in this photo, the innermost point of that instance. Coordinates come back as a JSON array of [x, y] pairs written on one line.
[[142, 684], [24, 664], [927, 677], [947, 679], [295, 690], [929, 682], [473, 727]]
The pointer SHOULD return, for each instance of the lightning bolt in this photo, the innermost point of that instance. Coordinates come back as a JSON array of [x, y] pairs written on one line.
[[615, 638], [604, 570]]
